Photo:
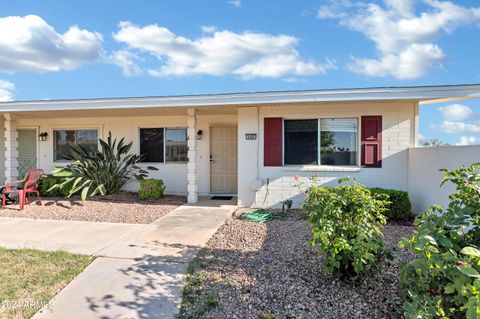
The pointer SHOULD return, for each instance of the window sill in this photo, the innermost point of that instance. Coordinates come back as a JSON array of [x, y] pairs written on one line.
[[322, 168]]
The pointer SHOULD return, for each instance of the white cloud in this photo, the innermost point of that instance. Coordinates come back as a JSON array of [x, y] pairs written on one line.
[[335, 9], [329, 12], [247, 54], [413, 62], [209, 29], [405, 8], [468, 140], [459, 119], [277, 66], [405, 40], [6, 91], [30, 43], [451, 127], [293, 80], [457, 112], [235, 3], [127, 61]]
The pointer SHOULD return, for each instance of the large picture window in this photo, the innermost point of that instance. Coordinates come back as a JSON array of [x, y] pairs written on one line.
[[61, 139], [337, 138], [160, 145]]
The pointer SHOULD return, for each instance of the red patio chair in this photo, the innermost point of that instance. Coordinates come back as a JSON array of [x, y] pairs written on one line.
[[29, 184]]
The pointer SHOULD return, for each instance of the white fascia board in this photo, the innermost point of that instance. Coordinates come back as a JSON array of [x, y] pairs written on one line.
[[426, 93]]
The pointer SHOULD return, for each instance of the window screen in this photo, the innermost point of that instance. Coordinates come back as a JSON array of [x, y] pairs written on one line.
[[61, 139], [301, 142], [151, 144], [338, 140], [176, 145]]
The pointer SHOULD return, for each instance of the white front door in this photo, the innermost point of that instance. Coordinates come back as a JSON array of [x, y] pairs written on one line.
[[223, 159]]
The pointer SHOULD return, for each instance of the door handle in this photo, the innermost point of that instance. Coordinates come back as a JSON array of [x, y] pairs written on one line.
[[211, 159]]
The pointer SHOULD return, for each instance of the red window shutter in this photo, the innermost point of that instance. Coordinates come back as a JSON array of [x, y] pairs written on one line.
[[371, 141], [272, 143]]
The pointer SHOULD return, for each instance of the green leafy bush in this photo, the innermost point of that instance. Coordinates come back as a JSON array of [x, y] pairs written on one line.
[[151, 189], [347, 223], [45, 185], [102, 172], [444, 281], [399, 207]]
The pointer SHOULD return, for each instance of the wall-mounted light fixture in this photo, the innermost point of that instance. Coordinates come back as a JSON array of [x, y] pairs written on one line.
[[199, 134], [42, 137]]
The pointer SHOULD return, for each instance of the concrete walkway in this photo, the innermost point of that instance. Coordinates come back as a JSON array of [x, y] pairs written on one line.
[[77, 237], [140, 268]]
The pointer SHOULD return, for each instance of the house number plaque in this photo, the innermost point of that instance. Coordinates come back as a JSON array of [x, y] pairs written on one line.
[[250, 136]]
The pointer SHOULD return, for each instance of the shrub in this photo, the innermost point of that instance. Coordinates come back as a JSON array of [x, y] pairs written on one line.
[[444, 281], [46, 183], [151, 189], [99, 172], [399, 207], [347, 225]]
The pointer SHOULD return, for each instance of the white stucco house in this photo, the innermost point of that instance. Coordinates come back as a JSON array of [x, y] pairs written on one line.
[[247, 144]]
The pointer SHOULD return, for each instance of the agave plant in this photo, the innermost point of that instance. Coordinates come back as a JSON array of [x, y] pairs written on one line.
[[99, 172]]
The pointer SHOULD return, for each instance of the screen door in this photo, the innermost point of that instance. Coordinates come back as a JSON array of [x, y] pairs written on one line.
[[223, 159]]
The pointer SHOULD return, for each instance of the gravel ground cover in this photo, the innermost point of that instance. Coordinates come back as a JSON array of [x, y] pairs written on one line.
[[124, 207], [269, 271]]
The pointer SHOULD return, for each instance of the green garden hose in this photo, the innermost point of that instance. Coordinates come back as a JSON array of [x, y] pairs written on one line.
[[261, 216]]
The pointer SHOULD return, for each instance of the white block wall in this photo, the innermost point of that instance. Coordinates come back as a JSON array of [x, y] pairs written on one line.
[[248, 154], [399, 129], [175, 175], [424, 177], [10, 147], [2, 151]]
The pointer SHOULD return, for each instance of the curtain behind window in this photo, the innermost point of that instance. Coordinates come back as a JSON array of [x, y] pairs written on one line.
[[338, 139]]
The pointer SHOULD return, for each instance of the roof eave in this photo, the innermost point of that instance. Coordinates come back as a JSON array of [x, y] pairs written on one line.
[[420, 94]]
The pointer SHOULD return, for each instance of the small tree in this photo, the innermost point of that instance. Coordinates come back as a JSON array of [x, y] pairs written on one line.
[[99, 172], [434, 142], [347, 223], [444, 281]]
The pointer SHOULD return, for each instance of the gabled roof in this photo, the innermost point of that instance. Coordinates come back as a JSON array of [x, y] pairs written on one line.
[[423, 94]]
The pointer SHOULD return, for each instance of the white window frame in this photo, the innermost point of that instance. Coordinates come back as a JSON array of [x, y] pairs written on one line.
[[76, 128], [165, 128], [319, 165]]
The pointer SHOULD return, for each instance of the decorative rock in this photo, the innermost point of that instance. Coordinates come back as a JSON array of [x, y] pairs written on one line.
[[277, 272]]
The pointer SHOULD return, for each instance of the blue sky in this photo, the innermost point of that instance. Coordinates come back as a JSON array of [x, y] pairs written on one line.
[[84, 49]]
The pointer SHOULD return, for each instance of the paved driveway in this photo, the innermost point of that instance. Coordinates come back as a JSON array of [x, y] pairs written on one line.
[[140, 268]]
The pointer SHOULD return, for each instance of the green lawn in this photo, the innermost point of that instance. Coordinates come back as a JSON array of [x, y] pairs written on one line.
[[30, 278]]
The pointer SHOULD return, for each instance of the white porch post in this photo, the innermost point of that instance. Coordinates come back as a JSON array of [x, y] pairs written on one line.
[[11, 148], [192, 153]]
